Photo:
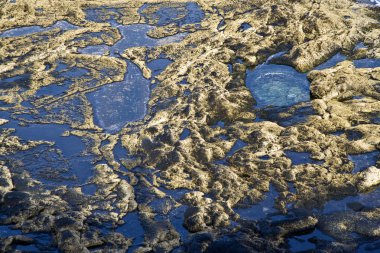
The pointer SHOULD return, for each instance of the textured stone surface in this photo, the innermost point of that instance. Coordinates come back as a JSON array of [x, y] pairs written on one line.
[[148, 166]]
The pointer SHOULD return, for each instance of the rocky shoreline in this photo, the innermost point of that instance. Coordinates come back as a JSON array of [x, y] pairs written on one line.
[[203, 151]]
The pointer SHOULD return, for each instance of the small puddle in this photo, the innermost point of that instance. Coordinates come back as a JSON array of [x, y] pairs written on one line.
[[20, 81], [162, 14], [369, 247], [262, 209], [132, 228], [239, 144], [307, 242], [177, 219], [245, 26], [364, 200], [119, 103], [6, 231], [185, 134], [277, 85], [333, 61], [132, 36], [94, 50], [367, 63], [53, 89], [370, 2], [28, 30], [159, 65], [275, 114], [363, 161], [102, 14], [60, 164], [299, 158], [218, 124]]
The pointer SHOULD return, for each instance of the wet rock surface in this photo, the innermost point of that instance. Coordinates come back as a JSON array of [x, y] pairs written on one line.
[[205, 126]]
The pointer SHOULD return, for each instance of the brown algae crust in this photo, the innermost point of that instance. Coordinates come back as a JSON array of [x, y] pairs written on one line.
[[195, 92]]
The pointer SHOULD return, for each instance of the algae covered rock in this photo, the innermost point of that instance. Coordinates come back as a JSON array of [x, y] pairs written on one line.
[[6, 183], [141, 125], [203, 213], [343, 225]]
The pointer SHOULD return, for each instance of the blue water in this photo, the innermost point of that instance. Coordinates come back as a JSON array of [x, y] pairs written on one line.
[[221, 26], [53, 89], [158, 65], [28, 30], [6, 231], [371, 2], [118, 103], [21, 81], [360, 45], [244, 26], [367, 63], [132, 228], [219, 124], [176, 217], [101, 14], [304, 243], [239, 144], [94, 50], [262, 209], [65, 155], [300, 115], [301, 158], [277, 85], [363, 161], [353, 135], [369, 200], [134, 35], [122, 102], [369, 247], [89, 189], [187, 92], [265, 157], [166, 14], [332, 61], [186, 133]]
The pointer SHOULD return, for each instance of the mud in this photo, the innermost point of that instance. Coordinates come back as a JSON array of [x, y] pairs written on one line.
[[150, 126]]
